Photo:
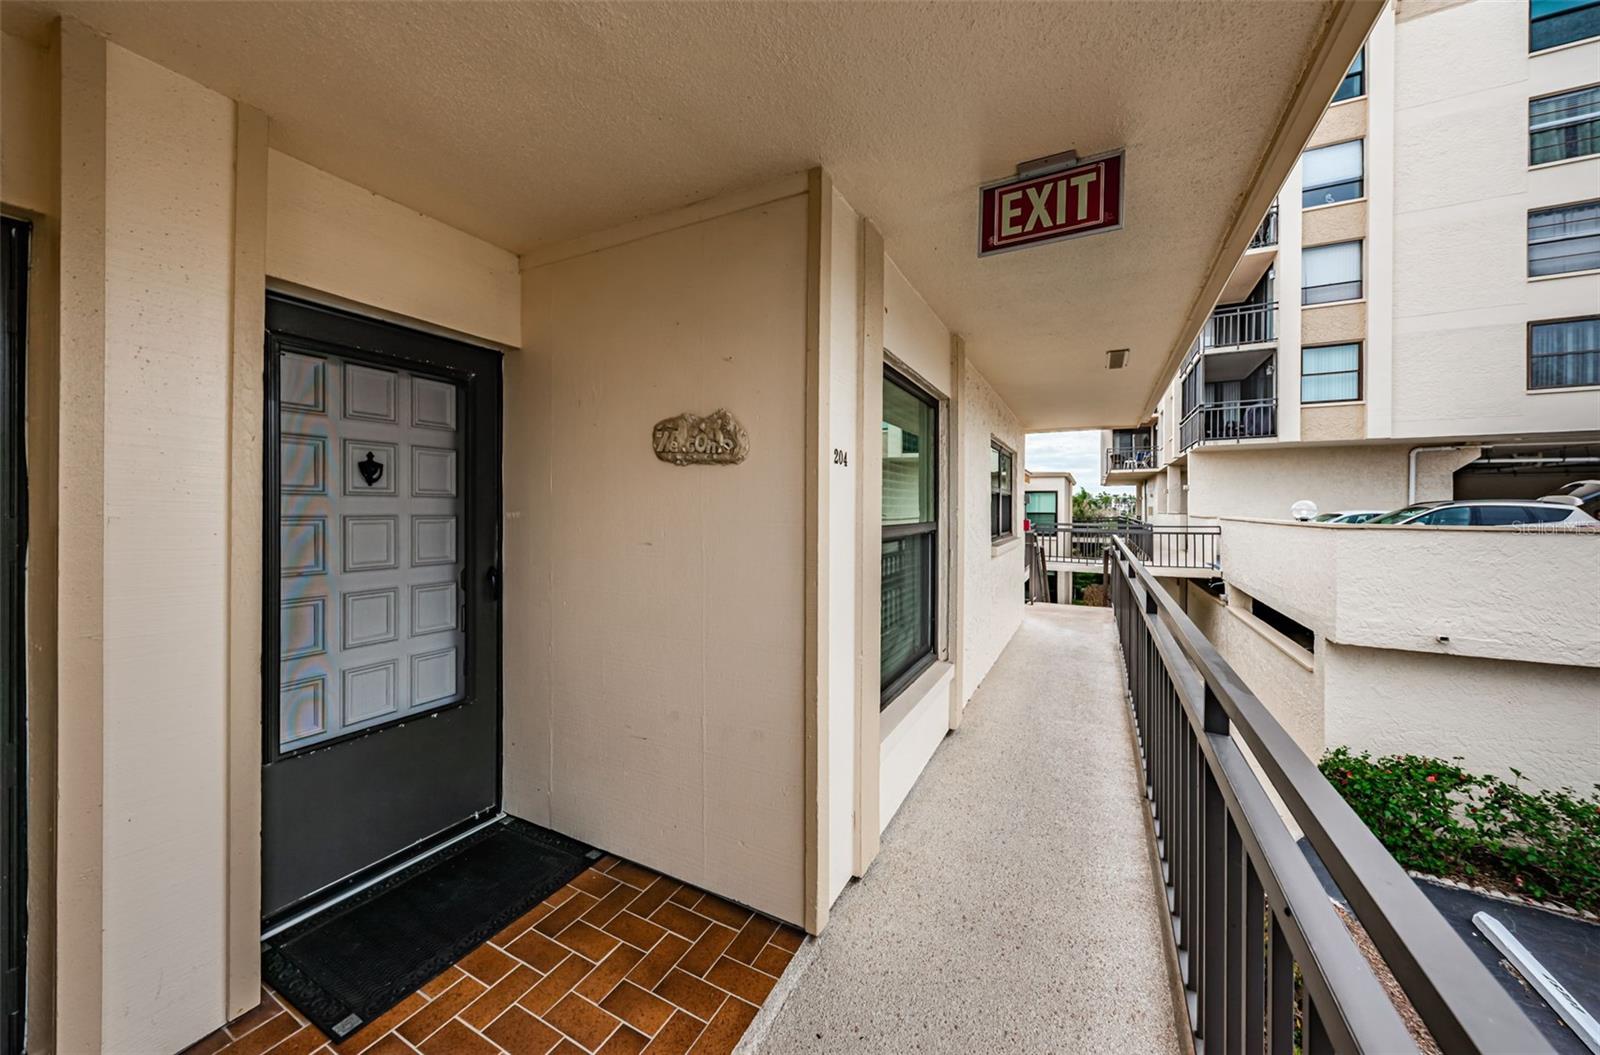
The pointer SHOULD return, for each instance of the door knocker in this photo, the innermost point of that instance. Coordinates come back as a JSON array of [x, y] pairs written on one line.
[[371, 469]]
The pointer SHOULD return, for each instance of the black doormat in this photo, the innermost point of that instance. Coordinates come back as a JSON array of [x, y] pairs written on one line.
[[348, 965]]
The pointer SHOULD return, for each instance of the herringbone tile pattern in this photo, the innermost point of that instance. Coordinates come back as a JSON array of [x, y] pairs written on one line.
[[619, 961]]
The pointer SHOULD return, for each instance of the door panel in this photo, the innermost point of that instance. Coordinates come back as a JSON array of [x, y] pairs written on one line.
[[368, 633], [382, 692]]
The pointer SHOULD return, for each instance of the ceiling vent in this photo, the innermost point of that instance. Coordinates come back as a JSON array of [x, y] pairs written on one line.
[[1116, 359]]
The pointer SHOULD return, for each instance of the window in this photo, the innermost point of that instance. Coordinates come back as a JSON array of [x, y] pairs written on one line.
[[1354, 84], [1041, 509], [1330, 373], [1330, 273], [1449, 516], [1564, 353], [908, 596], [1331, 174], [1566, 238], [1564, 126], [1552, 23], [1504, 516], [1001, 461]]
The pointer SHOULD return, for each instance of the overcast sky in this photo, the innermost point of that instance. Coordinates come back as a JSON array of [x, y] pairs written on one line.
[[1076, 452]]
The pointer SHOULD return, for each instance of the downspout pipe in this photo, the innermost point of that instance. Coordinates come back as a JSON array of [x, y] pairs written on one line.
[[1411, 483]]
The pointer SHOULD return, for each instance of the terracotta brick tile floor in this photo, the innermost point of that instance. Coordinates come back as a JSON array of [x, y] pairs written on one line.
[[620, 960]]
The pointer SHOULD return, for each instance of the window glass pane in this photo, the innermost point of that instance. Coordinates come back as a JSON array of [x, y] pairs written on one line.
[[1354, 82], [1566, 238], [906, 604], [1330, 358], [1000, 489], [1452, 515], [908, 453], [1330, 388], [1041, 502], [1564, 126], [1331, 272], [1556, 22], [1331, 174], [1565, 354]]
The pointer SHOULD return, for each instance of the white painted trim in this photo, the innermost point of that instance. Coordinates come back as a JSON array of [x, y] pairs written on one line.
[[1586, 272], [910, 697], [1541, 166]]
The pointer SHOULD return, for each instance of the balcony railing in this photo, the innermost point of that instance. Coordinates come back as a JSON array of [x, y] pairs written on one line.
[[1128, 459], [1248, 914], [1267, 233], [1239, 324], [1237, 419], [1161, 547]]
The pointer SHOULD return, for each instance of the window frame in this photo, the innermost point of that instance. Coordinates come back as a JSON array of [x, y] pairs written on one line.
[[1360, 372], [1360, 75], [1563, 123], [1546, 209], [889, 690], [1561, 44], [1360, 180], [1360, 280], [1529, 355], [1003, 515]]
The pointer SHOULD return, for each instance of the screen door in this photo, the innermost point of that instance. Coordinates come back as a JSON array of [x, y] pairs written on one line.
[[382, 716]]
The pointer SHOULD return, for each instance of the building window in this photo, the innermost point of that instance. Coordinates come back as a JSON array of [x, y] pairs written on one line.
[[1566, 238], [1564, 126], [1331, 174], [1001, 462], [1552, 23], [1330, 373], [1354, 84], [1564, 353], [1042, 510], [1330, 273], [908, 596]]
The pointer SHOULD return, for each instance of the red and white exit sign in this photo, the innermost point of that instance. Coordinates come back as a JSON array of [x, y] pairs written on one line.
[[1046, 207]]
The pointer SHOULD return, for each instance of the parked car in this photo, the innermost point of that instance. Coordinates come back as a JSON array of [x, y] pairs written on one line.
[[1497, 512], [1585, 494], [1348, 516]]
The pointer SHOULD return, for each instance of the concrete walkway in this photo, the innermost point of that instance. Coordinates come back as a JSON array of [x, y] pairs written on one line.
[[1011, 907]]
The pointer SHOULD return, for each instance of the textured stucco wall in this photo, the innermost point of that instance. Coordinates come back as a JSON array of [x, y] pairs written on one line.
[[1496, 593], [1283, 676], [1494, 715], [1462, 296], [336, 237], [1266, 481], [994, 574], [654, 664]]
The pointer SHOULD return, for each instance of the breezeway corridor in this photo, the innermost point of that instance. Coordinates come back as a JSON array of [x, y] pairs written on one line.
[[1011, 906]]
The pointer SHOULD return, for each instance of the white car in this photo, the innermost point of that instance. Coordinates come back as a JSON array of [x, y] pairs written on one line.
[[1585, 494], [1487, 512]]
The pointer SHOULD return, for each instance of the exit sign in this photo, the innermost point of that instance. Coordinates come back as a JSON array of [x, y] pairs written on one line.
[[1049, 206]]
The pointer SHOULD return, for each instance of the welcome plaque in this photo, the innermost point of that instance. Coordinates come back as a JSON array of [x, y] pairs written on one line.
[[688, 439]]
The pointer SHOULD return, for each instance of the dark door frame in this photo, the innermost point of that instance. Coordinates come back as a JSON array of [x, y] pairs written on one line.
[[13, 637], [314, 328]]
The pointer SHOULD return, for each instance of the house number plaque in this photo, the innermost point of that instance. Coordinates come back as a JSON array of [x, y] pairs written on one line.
[[688, 439]]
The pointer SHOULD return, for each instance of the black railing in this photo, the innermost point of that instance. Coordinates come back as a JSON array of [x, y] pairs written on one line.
[[1235, 419], [1159, 547], [1125, 459], [1239, 324], [1267, 964], [1267, 233]]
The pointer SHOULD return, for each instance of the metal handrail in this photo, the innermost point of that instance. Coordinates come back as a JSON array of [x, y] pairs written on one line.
[[1237, 324], [1124, 459], [1267, 233], [1161, 547], [1233, 419], [1246, 907]]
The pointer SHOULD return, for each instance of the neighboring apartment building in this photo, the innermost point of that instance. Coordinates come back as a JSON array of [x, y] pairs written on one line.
[[1047, 505], [1418, 317]]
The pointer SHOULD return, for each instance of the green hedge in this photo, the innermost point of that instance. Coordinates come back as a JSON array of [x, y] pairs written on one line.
[[1437, 818]]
